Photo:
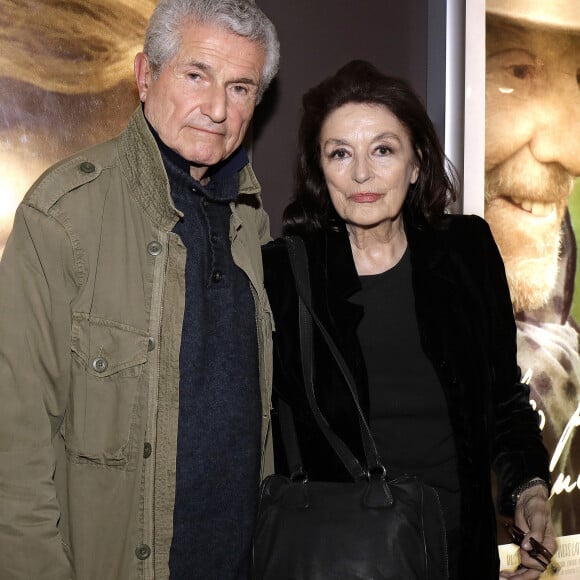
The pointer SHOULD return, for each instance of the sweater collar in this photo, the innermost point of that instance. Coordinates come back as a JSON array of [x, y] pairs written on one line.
[[147, 181], [223, 177]]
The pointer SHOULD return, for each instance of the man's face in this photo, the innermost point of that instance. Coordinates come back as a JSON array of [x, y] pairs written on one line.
[[202, 101], [532, 149]]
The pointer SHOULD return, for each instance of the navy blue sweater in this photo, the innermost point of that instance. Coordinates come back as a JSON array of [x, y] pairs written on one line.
[[218, 453]]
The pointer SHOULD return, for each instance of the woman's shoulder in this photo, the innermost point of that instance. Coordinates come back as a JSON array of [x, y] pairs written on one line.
[[277, 270], [275, 254], [464, 233], [467, 237], [466, 225], [278, 274], [470, 239]]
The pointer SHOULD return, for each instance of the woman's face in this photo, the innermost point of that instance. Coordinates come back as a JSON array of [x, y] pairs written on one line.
[[368, 163]]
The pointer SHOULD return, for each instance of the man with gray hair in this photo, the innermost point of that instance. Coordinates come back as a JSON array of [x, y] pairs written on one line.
[[135, 332], [532, 157]]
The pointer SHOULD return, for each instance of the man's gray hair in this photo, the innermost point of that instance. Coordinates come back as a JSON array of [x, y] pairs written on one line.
[[242, 17]]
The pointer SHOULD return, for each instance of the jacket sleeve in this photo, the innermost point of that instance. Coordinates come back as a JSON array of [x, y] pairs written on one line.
[[36, 285], [517, 449]]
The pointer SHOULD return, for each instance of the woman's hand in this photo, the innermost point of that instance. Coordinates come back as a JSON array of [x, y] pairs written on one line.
[[532, 516]]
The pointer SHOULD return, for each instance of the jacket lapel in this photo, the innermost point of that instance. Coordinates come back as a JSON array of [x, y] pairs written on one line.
[[435, 287]]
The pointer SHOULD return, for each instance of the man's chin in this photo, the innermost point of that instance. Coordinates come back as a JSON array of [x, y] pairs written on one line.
[[530, 247], [531, 282]]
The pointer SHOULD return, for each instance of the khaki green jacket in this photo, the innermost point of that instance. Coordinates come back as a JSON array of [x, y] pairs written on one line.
[[91, 309]]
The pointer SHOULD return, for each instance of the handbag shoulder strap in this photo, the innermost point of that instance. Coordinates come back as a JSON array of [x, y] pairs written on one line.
[[299, 264]]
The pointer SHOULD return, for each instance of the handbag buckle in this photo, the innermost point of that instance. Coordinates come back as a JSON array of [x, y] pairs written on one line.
[[376, 472], [299, 476]]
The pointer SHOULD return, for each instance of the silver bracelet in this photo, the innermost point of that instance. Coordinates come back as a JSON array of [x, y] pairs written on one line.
[[516, 494]]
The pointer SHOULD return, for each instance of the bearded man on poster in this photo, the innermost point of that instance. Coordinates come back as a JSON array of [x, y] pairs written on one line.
[[532, 157]]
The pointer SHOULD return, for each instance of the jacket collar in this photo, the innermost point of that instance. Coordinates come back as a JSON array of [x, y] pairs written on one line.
[[428, 249], [435, 270], [342, 278], [143, 168]]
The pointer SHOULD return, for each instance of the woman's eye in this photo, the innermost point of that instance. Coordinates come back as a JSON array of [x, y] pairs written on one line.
[[383, 150], [339, 154]]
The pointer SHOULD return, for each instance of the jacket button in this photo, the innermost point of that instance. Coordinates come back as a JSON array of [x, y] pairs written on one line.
[[142, 551], [154, 248], [100, 364], [151, 344], [217, 276], [204, 202], [147, 450], [87, 167]]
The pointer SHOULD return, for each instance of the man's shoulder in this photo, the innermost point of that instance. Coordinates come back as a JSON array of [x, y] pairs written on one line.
[[70, 174]]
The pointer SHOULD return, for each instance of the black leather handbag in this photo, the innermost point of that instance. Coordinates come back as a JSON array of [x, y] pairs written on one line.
[[372, 528]]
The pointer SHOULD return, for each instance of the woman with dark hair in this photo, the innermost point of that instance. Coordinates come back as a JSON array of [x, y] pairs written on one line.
[[417, 302]]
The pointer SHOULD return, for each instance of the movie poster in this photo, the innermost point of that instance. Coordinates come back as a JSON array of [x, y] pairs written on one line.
[[532, 204], [66, 78]]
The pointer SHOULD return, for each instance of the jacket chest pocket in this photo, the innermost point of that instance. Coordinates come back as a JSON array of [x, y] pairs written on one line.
[[107, 368]]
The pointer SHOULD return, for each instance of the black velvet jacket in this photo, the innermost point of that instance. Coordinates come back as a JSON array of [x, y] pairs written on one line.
[[468, 332]]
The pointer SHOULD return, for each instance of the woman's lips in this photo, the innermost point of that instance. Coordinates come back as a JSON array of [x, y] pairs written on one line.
[[365, 197]]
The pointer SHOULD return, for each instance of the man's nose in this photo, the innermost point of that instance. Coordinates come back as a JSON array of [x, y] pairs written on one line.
[[361, 170], [215, 104], [557, 135]]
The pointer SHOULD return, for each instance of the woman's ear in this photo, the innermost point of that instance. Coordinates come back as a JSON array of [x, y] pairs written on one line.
[[415, 174], [416, 166]]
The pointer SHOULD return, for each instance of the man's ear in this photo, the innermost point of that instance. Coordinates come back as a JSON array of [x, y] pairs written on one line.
[[143, 74]]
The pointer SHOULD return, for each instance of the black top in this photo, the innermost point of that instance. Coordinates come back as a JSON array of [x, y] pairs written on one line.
[[407, 407]]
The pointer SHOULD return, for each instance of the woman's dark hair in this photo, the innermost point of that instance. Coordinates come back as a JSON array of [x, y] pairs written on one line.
[[360, 82]]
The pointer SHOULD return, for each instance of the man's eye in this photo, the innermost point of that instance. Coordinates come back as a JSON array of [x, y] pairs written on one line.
[[194, 76], [523, 71], [240, 89]]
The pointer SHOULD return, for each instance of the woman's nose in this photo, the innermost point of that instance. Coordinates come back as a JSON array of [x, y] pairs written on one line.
[[361, 171]]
